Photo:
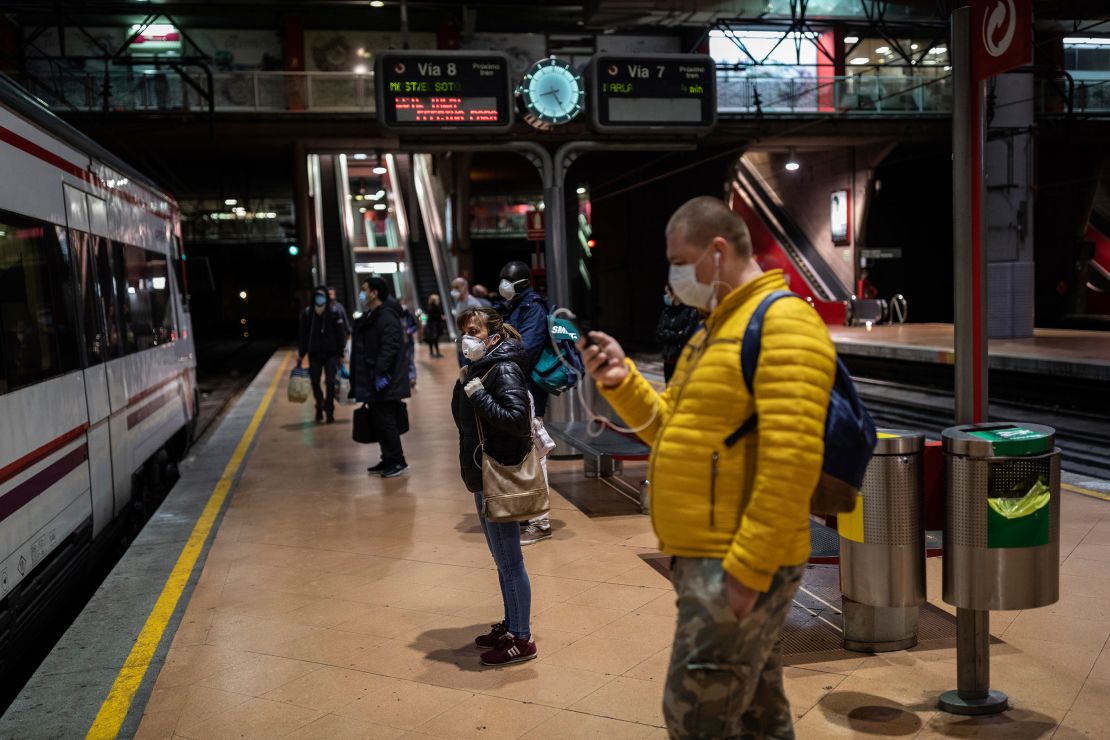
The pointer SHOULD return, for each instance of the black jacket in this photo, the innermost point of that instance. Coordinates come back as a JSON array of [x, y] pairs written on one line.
[[503, 408], [325, 334], [378, 349], [676, 325]]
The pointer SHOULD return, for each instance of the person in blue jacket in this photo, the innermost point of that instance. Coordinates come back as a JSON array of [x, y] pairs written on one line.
[[526, 310]]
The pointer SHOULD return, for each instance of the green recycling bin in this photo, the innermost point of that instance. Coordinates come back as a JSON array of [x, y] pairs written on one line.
[[1002, 523]]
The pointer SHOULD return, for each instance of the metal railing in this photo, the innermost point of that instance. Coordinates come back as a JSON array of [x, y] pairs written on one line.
[[342, 92]]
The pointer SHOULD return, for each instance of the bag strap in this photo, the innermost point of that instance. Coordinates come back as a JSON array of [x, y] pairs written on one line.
[[749, 357]]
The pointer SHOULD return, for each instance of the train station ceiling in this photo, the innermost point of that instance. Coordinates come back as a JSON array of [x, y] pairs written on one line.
[[552, 16]]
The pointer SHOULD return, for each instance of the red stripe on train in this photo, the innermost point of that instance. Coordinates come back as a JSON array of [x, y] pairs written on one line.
[[17, 466], [28, 490]]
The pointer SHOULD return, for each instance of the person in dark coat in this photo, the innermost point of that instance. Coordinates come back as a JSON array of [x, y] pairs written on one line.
[[322, 337], [677, 324], [435, 326], [379, 370], [493, 388], [526, 310]]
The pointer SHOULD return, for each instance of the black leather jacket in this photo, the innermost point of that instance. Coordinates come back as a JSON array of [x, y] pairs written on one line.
[[502, 404], [676, 325]]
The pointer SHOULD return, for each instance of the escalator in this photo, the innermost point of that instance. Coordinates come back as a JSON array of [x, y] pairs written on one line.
[[778, 243]]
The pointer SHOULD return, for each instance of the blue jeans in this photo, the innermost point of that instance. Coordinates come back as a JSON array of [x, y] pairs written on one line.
[[503, 539]]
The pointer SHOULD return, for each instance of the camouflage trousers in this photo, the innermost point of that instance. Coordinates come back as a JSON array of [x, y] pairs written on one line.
[[725, 675]]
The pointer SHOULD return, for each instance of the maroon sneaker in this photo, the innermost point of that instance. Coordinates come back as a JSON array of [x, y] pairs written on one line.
[[489, 641], [510, 649]]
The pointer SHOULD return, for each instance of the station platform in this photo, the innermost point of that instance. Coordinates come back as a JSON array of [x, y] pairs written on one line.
[[1056, 352], [281, 592]]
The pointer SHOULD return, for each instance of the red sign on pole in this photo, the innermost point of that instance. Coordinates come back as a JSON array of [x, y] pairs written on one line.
[[1001, 36], [535, 226]]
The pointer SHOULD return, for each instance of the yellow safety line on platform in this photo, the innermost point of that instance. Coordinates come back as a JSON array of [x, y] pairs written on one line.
[[1085, 491], [114, 709]]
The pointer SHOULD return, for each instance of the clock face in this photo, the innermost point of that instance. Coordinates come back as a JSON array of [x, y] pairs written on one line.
[[552, 92]]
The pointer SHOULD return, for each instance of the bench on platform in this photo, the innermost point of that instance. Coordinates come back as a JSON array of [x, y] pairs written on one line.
[[603, 456]]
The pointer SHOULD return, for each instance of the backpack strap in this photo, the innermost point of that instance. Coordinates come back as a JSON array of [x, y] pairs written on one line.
[[749, 357]]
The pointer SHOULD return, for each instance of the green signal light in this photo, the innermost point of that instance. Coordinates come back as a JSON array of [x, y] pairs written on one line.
[[294, 250]]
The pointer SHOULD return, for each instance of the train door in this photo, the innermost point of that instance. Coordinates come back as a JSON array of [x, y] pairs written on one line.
[[88, 232]]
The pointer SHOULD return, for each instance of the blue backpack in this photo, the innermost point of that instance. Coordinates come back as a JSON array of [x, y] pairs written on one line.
[[560, 366], [849, 431]]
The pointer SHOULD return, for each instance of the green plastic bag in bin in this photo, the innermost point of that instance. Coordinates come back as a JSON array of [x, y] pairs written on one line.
[[1021, 521]]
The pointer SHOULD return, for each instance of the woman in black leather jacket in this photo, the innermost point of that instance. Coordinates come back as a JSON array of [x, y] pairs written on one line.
[[493, 387]]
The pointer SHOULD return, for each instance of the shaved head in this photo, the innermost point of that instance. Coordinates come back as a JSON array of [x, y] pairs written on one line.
[[700, 220]]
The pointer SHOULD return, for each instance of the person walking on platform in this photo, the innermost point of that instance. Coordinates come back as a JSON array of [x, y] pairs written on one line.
[[412, 327], [493, 391], [461, 297], [526, 310], [481, 293], [435, 325], [322, 337], [677, 324], [334, 304], [734, 517], [379, 370]]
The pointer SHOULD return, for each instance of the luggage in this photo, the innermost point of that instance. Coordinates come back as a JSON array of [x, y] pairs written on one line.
[[362, 423], [849, 431], [300, 387]]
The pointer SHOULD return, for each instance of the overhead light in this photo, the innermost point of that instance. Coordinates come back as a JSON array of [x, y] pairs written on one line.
[[380, 170], [792, 164], [294, 250], [859, 60], [581, 191], [230, 202], [851, 39], [382, 268], [362, 210], [159, 283], [882, 50], [377, 4], [360, 69], [947, 68], [243, 295], [1086, 41], [379, 206], [378, 195], [360, 156], [939, 50], [913, 46]]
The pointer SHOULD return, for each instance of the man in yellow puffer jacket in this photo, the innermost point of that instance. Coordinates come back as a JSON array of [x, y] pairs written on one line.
[[734, 516]]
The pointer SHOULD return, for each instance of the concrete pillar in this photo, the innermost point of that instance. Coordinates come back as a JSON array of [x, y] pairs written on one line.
[[1009, 241]]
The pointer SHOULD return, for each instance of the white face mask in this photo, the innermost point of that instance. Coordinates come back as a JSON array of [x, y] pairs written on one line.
[[684, 283], [506, 289], [473, 348], [455, 294]]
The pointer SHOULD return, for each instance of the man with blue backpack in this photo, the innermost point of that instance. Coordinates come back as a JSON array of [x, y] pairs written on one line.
[[758, 427]]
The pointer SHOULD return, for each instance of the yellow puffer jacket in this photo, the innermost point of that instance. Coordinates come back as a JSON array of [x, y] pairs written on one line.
[[748, 503]]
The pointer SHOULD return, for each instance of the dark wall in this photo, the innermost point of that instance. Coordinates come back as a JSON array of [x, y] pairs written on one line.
[[217, 273], [911, 210], [629, 265]]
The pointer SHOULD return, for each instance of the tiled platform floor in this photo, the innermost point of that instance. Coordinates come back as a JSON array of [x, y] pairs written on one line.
[[338, 605]]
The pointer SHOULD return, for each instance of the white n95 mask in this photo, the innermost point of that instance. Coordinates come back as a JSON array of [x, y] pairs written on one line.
[[684, 283]]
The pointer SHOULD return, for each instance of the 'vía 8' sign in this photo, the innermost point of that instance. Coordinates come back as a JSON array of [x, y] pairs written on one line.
[[443, 90]]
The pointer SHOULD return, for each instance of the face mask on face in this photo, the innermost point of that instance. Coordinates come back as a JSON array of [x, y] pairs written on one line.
[[506, 289], [321, 300], [473, 348], [362, 300], [666, 300], [684, 283], [455, 294]]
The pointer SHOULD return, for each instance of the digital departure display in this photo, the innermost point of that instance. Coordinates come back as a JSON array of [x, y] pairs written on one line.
[[450, 89], [637, 92]]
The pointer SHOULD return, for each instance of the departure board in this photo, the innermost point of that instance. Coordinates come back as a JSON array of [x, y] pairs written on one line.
[[444, 90], [641, 92]]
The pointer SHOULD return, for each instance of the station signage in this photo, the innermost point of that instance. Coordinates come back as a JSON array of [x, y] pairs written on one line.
[[444, 90], [632, 93]]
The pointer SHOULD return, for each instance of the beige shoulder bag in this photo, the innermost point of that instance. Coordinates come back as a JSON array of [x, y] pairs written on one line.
[[512, 493]]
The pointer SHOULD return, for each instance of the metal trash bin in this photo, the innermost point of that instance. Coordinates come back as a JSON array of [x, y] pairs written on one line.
[[1002, 526], [882, 548]]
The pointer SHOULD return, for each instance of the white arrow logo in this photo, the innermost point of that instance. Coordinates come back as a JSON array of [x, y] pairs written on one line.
[[993, 21]]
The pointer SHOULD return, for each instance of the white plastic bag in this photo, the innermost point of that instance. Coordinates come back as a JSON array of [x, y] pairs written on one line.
[[540, 438]]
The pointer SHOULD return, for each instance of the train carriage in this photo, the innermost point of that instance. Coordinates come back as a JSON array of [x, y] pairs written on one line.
[[97, 363]]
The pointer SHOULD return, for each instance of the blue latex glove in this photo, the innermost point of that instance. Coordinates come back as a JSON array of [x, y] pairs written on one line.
[[381, 383]]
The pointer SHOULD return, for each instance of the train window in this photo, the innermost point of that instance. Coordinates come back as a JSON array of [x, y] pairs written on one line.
[[83, 246], [108, 296], [146, 306], [38, 338]]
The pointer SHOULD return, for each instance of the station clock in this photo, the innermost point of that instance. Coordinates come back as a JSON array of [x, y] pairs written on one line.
[[551, 93]]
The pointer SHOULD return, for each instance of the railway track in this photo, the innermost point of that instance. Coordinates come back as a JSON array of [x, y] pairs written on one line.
[[1083, 438]]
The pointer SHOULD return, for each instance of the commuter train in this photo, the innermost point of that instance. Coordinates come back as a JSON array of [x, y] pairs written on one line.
[[97, 364]]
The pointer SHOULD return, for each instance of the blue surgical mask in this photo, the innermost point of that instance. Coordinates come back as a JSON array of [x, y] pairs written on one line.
[[666, 300], [362, 298], [321, 300]]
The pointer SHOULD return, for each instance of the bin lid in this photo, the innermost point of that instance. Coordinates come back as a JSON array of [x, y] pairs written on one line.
[[999, 439], [898, 442]]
